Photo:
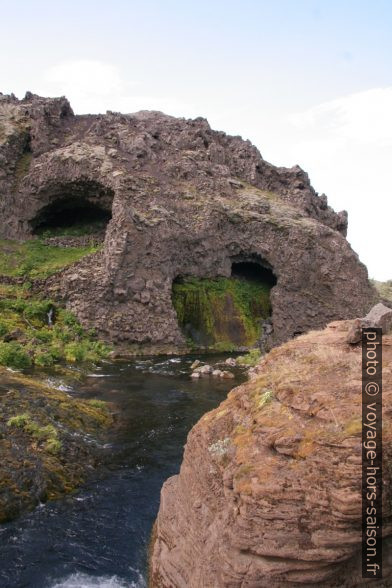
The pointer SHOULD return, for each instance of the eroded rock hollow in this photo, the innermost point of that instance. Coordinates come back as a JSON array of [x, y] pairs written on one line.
[[176, 200]]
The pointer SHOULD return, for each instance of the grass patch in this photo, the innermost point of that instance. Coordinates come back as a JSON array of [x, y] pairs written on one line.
[[101, 404], [39, 433], [34, 260], [53, 446], [18, 421], [265, 398], [250, 359], [27, 340], [14, 356]]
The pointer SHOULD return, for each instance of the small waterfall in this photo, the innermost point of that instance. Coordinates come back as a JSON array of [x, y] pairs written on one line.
[[50, 316]]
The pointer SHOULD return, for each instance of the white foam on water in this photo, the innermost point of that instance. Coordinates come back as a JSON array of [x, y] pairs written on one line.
[[58, 385], [86, 581]]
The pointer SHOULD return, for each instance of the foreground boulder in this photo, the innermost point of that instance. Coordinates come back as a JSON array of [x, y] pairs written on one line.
[[269, 491], [179, 200], [49, 442], [380, 316]]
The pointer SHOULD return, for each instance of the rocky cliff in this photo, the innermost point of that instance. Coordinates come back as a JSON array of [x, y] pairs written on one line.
[[180, 200], [269, 491]]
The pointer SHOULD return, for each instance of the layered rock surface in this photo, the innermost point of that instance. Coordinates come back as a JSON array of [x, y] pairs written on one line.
[[269, 491], [185, 201]]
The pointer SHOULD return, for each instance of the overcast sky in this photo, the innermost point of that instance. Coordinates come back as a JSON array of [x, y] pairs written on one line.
[[307, 81]]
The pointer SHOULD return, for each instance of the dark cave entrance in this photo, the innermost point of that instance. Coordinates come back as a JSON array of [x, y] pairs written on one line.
[[74, 210], [73, 215], [225, 313], [254, 272]]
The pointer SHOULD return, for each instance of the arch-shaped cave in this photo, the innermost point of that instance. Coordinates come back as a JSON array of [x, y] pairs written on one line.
[[74, 208], [226, 313], [254, 272]]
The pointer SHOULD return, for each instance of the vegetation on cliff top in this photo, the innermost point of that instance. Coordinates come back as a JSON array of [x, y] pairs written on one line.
[[222, 313]]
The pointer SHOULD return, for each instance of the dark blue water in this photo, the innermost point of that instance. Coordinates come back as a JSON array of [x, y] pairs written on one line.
[[99, 537]]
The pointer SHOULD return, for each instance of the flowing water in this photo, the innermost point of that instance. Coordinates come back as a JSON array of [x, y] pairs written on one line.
[[99, 536]]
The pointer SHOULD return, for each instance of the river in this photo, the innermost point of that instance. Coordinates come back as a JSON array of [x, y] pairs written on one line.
[[99, 536]]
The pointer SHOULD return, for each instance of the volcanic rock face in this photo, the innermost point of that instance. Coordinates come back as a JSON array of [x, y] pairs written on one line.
[[269, 492], [184, 200]]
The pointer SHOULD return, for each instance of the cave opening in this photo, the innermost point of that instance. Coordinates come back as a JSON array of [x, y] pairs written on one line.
[[225, 313], [74, 212], [254, 272]]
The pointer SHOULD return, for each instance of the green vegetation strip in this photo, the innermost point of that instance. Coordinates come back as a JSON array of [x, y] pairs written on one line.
[[26, 338], [35, 260], [224, 312]]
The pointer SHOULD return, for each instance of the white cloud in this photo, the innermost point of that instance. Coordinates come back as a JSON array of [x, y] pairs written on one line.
[[95, 87], [364, 117], [89, 85], [346, 147]]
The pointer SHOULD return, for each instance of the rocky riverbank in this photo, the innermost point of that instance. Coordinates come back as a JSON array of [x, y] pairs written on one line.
[[49, 441], [269, 491]]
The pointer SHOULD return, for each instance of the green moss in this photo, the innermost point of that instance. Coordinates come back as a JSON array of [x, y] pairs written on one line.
[[18, 421], [97, 403], [14, 356], [33, 259], [26, 339], [265, 398], [39, 445], [251, 359], [24, 318], [53, 446], [38, 432], [221, 313]]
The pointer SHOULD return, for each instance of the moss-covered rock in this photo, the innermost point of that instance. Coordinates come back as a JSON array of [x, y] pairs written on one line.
[[46, 446], [221, 313]]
